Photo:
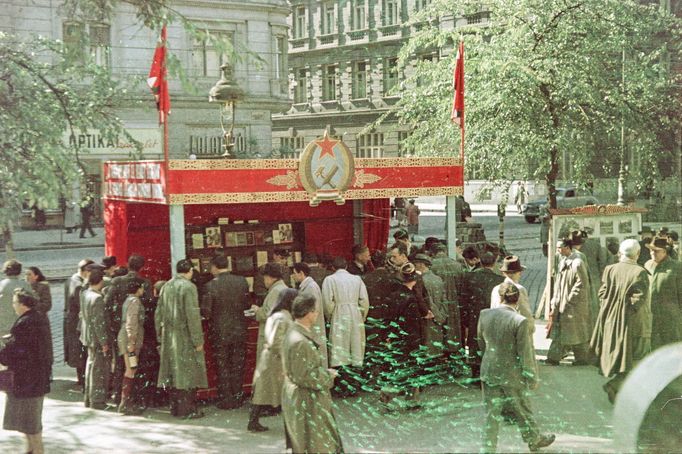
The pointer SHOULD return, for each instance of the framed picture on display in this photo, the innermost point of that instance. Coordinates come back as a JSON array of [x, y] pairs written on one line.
[[213, 239]]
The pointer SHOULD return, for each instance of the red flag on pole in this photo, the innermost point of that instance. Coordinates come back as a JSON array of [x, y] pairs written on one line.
[[457, 115], [157, 78]]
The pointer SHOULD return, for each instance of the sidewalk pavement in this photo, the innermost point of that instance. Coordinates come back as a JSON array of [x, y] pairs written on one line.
[[569, 403], [50, 239]]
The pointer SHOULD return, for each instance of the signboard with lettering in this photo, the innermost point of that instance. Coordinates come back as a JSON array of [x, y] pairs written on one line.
[[95, 143]]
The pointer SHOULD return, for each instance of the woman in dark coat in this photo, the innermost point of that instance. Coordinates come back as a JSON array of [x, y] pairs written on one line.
[[36, 279], [26, 354], [403, 338]]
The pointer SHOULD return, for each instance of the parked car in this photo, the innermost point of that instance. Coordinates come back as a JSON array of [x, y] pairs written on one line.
[[569, 197]]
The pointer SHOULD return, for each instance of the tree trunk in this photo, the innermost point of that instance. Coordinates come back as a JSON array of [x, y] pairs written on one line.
[[551, 176], [9, 242]]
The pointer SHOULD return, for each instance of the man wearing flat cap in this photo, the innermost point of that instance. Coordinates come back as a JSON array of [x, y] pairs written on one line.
[[569, 326], [512, 269], [434, 334], [665, 291]]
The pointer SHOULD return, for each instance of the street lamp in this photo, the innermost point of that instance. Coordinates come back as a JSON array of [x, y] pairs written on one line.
[[226, 91]]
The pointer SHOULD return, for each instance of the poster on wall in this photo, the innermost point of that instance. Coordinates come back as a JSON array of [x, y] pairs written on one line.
[[213, 238], [607, 223]]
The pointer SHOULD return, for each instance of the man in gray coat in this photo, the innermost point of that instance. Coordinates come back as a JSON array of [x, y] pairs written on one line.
[[434, 328], [95, 336], [75, 353], [225, 300], [508, 370], [569, 325]]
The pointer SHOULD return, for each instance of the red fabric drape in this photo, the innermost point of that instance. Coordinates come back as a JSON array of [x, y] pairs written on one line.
[[376, 222]]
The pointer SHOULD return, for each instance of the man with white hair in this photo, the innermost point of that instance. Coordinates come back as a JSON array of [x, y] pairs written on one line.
[[622, 335]]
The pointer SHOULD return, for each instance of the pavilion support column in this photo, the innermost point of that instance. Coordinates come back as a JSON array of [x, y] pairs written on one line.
[[451, 225], [358, 230], [177, 235]]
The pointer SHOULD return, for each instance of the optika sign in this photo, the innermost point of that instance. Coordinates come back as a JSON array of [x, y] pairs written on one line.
[[97, 143]]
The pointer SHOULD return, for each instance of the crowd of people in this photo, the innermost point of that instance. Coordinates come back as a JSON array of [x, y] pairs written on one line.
[[389, 322]]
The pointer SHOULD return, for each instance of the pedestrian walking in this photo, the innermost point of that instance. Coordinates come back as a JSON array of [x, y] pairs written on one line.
[[36, 279], [622, 335], [512, 270], [508, 370], [94, 335], [665, 292], [181, 342], [225, 300], [569, 326], [269, 375], [399, 203], [28, 355], [12, 270], [69, 211], [75, 354], [475, 294], [308, 286], [87, 210], [306, 399], [412, 212], [345, 306], [520, 197], [130, 339]]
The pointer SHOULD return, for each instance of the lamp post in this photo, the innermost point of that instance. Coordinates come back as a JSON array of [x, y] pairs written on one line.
[[227, 91]]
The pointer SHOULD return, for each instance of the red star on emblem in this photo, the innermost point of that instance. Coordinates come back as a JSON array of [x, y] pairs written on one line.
[[327, 146]]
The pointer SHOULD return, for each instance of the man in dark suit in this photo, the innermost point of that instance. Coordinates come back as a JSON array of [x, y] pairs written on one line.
[[361, 258], [477, 287], [225, 300], [508, 369]]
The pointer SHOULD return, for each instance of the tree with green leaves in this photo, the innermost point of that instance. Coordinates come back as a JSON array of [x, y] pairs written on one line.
[[590, 78]]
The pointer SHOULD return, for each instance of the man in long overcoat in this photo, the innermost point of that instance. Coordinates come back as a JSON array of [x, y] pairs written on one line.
[[665, 293], [476, 288], [280, 257], [181, 341], [512, 269], [508, 370], [225, 300], [570, 308], [622, 336], [75, 353], [272, 280], [306, 399], [345, 306], [451, 272], [94, 334], [308, 286], [434, 333]]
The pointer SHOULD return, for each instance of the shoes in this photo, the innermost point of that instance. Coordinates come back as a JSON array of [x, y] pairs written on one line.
[[549, 362], [194, 415], [541, 442], [256, 427], [92, 235], [227, 405], [610, 392]]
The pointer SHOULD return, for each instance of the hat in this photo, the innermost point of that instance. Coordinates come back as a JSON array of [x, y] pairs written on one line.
[[658, 242], [423, 258], [512, 264], [673, 235], [576, 238], [438, 247], [645, 229], [108, 261], [663, 231], [401, 235], [408, 272]]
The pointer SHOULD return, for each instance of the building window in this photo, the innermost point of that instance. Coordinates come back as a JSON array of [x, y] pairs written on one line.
[[280, 52], [299, 22], [370, 145], [421, 4], [402, 149], [359, 80], [357, 19], [291, 147], [328, 18], [96, 37], [206, 58], [390, 75], [329, 83], [390, 12], [477, 18], [301, 87]]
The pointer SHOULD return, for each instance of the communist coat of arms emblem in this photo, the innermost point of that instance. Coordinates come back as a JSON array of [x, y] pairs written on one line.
[[326, 170]]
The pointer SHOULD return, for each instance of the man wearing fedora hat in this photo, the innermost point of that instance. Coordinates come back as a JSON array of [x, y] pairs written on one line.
[[512, 269], [434, 333], [622, 335], [569, 326], [665, 291]]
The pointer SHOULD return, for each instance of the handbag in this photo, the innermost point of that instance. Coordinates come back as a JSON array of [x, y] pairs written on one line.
[[6, 380]]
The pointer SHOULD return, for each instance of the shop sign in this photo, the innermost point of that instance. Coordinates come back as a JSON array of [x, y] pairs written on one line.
[[95, 143], [326, 170]]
